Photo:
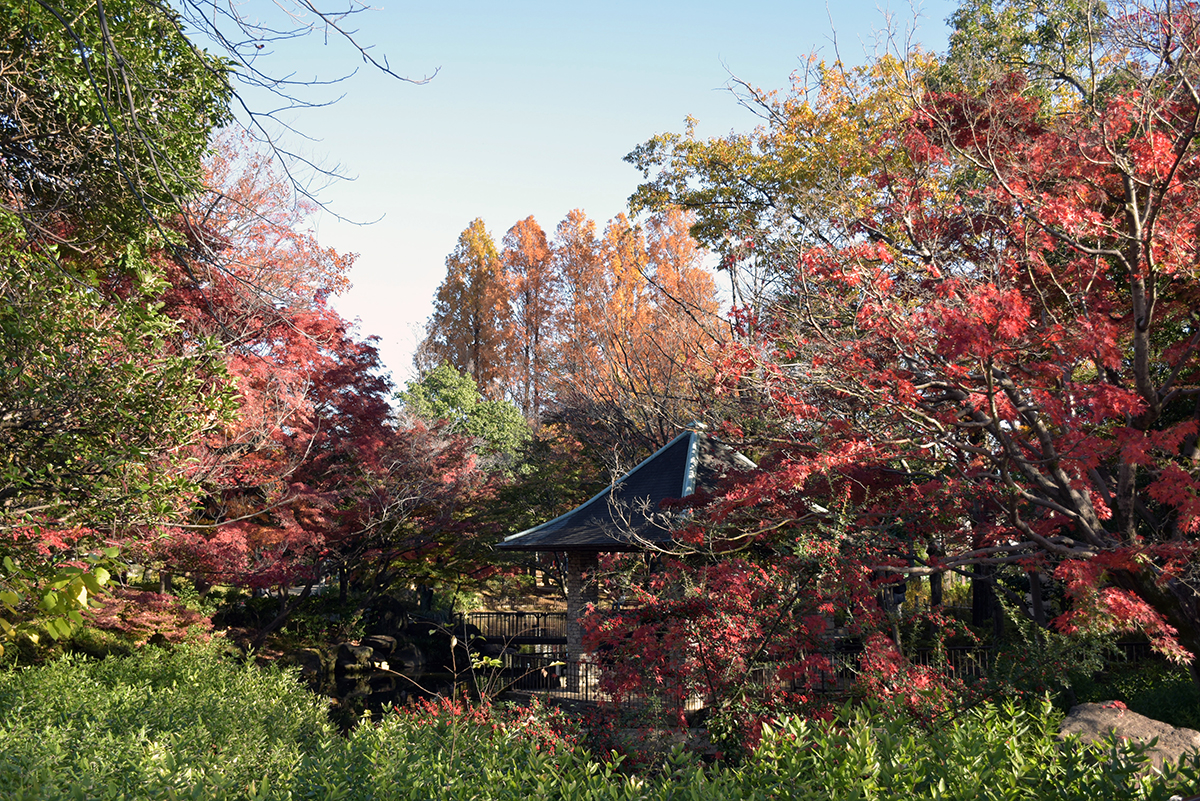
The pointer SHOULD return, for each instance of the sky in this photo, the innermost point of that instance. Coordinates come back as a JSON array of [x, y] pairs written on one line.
[[532, 108]]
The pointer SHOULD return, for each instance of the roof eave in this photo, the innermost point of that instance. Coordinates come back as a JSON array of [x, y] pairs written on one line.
[[690, 469]]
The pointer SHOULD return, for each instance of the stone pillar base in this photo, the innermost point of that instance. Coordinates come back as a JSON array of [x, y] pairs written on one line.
[[581, 591]]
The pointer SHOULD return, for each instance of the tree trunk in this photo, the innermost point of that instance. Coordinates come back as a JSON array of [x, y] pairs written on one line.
[[982, 601], [285, 611], [560, 567], [1035, 595], [997, 618]]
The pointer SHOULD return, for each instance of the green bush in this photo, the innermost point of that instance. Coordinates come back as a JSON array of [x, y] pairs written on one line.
[[188, 724], [210, 602], [151, 725], [990, 753]]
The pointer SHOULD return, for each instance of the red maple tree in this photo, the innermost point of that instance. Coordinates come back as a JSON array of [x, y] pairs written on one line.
[[977, 350], [312, 475]]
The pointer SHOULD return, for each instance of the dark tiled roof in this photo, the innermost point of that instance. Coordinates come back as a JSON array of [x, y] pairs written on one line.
[[627, 515]]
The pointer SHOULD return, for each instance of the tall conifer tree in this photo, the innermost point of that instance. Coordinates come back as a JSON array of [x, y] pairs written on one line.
[[471, 323], [536, 286]]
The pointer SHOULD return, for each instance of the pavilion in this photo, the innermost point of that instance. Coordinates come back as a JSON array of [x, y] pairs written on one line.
[[627, 516]]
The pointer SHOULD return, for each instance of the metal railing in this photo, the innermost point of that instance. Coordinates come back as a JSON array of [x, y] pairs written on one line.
[[523, 627], [964, 660], [567, 679], [836, 672], [832, 673], [838, 678], [1134, 651], [554, 676], [551, 673]]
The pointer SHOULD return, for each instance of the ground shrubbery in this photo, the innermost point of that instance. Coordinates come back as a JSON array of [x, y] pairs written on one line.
[[190, 724], [150, 725], [993, 752]]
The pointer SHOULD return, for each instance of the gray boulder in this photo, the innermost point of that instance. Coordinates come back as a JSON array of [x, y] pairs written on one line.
[[354, 658], [381, 644], [495, 650], [312, 665], [1094, 723], [408, 659]]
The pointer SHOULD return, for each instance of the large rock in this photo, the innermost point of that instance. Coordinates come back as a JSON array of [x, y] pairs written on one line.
[[312, 664], [381, 644], [495, 650], [354, 658], [409, 659], [1094, 723]]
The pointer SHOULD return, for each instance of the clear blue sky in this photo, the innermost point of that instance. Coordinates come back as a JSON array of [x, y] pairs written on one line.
[[533, 108]]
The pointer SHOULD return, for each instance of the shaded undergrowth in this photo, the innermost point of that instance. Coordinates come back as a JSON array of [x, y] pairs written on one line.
[[188, 723]]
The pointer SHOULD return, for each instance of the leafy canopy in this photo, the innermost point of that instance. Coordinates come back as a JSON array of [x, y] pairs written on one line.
[[966, 312], [445, 394]]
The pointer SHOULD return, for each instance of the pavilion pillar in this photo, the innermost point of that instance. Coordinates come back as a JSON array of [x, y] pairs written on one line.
[[581, 591]]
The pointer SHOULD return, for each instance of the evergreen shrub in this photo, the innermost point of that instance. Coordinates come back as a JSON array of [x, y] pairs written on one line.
[[188, 723]]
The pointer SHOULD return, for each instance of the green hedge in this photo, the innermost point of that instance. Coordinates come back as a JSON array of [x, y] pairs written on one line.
[[157, 724], [187, 724], [990, 753]]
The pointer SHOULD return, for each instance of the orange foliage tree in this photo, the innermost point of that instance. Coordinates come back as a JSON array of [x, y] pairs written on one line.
[[604, 332], [471, 323], [535, 287], [578, 259], [642, 325]]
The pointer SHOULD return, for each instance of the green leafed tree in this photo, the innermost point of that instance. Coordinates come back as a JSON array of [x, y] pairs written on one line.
[[1056, 45], [94, 398], [105, 112], [107, 109], [444, 393]]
